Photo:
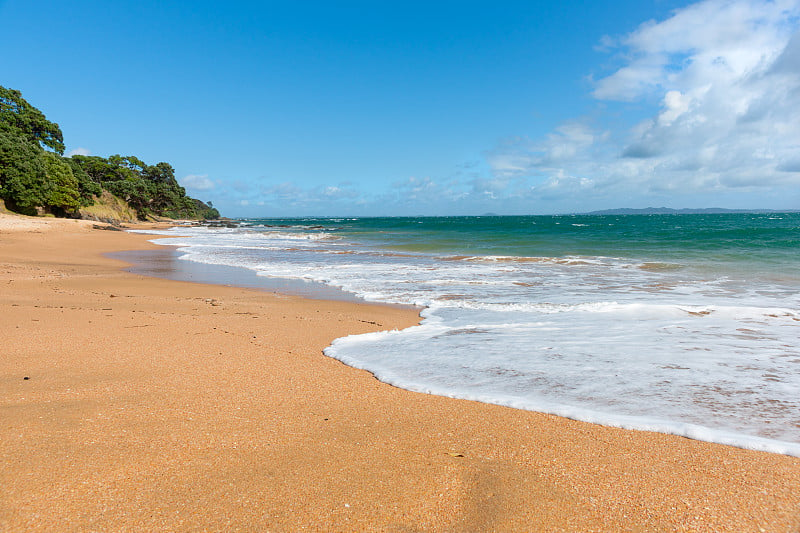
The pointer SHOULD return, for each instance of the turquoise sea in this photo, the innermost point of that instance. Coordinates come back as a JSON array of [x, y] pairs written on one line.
[[685, 324]]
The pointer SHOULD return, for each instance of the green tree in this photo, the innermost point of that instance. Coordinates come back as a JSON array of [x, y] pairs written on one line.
[[31, 176], [133, 190], [64, 195], [97, 168], [23, 176], [31, 123], [160, 173], [87, 187]]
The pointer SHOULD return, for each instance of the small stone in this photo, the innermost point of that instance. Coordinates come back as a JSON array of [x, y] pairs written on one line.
[[26, 378]]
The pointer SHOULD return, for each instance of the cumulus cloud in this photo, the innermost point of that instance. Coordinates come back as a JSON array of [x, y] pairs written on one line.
[[198, 182], [79, 151], [285, 191], [338, 192], [462, 193], [285, 195], [415, 188], [465, 188], [569, 143], [708, 42], [723, 79]]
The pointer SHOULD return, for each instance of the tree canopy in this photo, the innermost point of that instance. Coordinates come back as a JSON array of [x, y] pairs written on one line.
[[149, 189], [34, 174], [29, 121], [23, 177]]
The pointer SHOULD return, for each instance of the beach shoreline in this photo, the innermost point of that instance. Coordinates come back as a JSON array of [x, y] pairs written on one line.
[[155, 405], [165, 263]]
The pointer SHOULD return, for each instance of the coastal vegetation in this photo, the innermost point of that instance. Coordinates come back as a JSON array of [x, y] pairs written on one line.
[[35, 176]]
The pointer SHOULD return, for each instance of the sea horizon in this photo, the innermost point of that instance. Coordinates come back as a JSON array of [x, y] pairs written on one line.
[[622, 211]]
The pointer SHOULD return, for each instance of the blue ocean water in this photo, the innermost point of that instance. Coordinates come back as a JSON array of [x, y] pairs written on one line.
[[685, 324]]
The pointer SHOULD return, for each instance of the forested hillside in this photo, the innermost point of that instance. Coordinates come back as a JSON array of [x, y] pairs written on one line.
[[36, 177]]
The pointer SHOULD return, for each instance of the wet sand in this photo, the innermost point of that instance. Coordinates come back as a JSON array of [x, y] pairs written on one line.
[[161, 405]]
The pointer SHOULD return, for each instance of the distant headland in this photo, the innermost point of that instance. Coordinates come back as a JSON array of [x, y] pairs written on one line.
[[670, 211]]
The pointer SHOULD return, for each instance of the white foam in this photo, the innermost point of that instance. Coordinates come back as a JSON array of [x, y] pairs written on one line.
[[687, 350]]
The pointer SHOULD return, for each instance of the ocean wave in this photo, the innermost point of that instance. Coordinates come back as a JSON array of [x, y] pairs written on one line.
[[676, 346]]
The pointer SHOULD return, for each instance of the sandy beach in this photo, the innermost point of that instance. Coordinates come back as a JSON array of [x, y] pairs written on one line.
[[132, 403]]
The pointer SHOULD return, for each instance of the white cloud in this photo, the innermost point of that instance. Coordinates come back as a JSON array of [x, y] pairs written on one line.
[[711, 41], [675, 105], [721, 80], [285, 191], [566, 144], [415, 188], [725, 77], [79, 151], [288, 195], [198, 182], [334, 192]]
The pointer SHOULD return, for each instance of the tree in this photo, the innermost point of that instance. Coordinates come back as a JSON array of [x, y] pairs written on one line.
[[160, 173], [133, 190], [64, 195], [31, 122], [97, 168], [87, 187], [33, 177], [23, 176]]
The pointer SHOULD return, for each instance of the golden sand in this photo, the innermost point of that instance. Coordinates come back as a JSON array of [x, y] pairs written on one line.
[[155, 405]]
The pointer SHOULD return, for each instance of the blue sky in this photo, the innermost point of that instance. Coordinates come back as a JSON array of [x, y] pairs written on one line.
[[427, 108]]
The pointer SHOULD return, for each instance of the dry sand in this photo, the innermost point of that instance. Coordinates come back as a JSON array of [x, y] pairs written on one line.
[[155, 405]]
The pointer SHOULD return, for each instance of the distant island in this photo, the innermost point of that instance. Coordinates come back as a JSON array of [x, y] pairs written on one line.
[[670, 211], [36, 178]]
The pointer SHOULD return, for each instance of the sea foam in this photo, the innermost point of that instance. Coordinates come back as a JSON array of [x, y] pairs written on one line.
[[688, 348]]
